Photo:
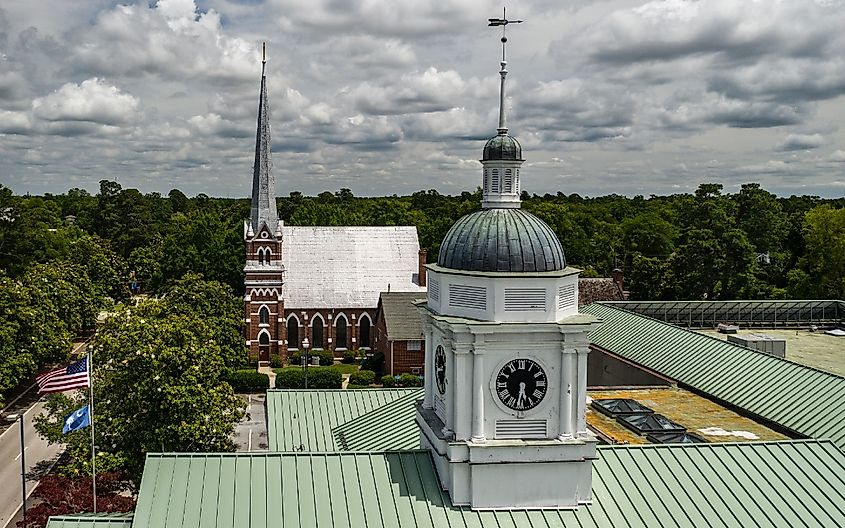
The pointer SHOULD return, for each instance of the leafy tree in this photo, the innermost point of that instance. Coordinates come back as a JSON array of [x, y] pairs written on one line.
[[158, 387], [822, 271]]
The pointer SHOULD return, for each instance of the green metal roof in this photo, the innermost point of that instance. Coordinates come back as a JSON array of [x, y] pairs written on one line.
[[795, 483], [100, 520], [333, 420], [806, 400]]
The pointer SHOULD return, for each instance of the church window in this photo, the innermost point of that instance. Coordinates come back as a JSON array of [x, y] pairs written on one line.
[[364, 325], [494, 181], [317, 332], [507, 185], [340, 331], [293, 333], [264, 339], [264, 315]]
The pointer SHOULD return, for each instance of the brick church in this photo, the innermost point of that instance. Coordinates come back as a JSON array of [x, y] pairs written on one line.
[[319, 283]]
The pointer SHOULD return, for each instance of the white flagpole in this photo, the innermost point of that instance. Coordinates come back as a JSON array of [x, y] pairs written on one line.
[[91, 419]]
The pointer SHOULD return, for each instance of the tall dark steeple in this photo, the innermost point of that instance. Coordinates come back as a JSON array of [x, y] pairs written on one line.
[[263, 182], [264, 273]]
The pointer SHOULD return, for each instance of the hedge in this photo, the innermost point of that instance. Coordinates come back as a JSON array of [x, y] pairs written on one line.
[[374, 363], [362, 377], [405, 380], [276, 361], [318, 378], [248, 381]]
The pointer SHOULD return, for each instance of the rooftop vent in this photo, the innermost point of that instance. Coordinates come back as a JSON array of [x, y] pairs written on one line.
[[675, 438], [614, 407], [650, 423]]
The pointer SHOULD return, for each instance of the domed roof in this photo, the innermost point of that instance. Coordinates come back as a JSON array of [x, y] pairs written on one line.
[[501, 240], [502, 147]]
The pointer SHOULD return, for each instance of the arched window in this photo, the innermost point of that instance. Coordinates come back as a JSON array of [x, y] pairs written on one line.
[[340, 331], [364, 324], [317, 325], [263, 339], [264, 315], [293, 333]]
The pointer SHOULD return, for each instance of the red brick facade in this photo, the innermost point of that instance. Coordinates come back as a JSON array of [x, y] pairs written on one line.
[[357, 336], [397, 358], [263, 304]]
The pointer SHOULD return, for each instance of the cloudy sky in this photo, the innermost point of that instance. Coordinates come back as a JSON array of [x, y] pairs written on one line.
[[392, 96]]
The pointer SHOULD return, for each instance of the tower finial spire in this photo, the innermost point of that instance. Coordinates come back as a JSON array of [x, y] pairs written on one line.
[[503, 128], [263, 57]]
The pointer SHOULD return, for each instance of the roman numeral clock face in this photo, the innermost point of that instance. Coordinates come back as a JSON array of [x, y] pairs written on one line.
[[521, 384]]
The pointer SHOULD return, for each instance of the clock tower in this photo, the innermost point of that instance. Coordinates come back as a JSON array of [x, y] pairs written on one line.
[[504, 409]]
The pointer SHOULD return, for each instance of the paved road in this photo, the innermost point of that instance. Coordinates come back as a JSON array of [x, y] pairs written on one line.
[[39, 455], [251, 434]]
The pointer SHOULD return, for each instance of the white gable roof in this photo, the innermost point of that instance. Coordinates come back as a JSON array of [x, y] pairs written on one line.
[[348, 266]]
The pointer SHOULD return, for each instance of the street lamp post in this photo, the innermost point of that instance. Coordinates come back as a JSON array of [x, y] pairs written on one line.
[[305, 346], [13, 418]]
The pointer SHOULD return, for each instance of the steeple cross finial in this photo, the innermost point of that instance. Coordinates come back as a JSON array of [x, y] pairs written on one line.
[[263, 57], [503, 129]]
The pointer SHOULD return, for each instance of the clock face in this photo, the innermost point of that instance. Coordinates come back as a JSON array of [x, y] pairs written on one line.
[[440, 369], [521, 384]]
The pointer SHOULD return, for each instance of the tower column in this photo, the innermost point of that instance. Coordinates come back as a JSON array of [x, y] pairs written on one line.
[[581, 394], [567, 371], [462, 394], [478, 390], [428, 369]]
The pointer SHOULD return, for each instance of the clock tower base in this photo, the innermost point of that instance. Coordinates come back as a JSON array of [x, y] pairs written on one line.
[[503, 474]]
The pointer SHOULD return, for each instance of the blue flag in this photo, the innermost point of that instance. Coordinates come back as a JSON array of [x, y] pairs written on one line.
[[76, 420]]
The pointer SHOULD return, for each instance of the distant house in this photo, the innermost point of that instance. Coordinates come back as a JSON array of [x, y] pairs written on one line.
[[399, 333], [597, 289]]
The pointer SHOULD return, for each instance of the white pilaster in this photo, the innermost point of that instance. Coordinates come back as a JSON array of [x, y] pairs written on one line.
[[567, 374], [428, 374], [478, 390], [462, 392], [581, 393]]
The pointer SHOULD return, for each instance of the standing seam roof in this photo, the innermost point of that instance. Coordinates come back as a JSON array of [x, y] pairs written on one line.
[[794, 483], [807, 400], [338, 420]]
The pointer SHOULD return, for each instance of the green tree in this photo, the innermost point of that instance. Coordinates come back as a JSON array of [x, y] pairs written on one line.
[[822, 269]]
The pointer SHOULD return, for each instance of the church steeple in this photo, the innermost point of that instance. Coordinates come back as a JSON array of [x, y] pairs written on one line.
[[263, 183], [502, 156]]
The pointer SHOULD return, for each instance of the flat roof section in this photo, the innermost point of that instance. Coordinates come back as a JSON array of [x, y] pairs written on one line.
[[814, 349], [699, 415]]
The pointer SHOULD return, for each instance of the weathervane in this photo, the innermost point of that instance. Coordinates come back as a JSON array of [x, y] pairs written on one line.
[[503, 129]]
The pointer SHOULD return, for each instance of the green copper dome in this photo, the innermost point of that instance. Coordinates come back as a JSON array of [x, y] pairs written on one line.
[[502, 147], [501, 240]]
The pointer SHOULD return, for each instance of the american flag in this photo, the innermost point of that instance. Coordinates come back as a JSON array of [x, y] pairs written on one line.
[[75, 376]]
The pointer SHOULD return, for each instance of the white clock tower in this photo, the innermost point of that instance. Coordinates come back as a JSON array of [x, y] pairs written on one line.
[[506, 352]]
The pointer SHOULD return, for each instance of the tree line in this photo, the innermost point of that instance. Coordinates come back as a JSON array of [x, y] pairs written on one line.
[[66, 257]]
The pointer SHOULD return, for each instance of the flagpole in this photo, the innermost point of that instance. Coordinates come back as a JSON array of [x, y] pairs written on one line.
[[91, 419]]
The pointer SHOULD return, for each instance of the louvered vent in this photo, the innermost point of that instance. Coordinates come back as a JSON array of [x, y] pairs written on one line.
[[566, 297], [525, 299], [434, 290], [474, 297], [514, 429]]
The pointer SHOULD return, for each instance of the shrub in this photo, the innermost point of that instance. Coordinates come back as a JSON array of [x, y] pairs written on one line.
[[351, 386], [276, 361], [248, 381], [324, 378], [290, 379], [362, 377], [410, 380], [326, 357], [348, 357], [388, 381], [318, 378], [374, 363]]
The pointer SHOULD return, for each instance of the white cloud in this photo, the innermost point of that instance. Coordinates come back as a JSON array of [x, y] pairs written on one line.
[[801, 142], [92, 100]]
